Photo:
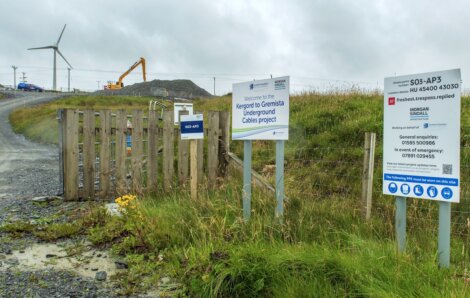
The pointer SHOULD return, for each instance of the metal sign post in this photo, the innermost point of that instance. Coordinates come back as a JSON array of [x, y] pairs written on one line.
[[400, 223], [247, 180], [279, 179], [443, 249]]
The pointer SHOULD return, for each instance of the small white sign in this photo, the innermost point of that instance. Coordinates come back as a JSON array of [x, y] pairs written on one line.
[[260, 110], [192, 127], [181, 106], [421, 150]]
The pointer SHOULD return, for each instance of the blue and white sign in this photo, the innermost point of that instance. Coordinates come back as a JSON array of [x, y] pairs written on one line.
[[421, 156], [192, 127], [260, 110]]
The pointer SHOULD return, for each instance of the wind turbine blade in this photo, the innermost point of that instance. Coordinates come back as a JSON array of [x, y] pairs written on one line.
[[63, 58], [61, 35], [40, 48]]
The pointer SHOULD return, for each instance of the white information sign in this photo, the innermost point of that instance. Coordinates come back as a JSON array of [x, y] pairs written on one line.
[[421, 150], [181, 106], [260, 110]]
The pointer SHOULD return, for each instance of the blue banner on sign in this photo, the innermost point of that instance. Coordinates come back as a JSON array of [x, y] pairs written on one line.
[[422, 179], [192, 127]]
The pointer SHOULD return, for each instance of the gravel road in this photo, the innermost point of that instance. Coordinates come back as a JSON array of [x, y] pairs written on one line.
[[26, 168]]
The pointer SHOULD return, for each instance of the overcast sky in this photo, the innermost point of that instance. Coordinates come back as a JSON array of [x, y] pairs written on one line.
[[320, 44]]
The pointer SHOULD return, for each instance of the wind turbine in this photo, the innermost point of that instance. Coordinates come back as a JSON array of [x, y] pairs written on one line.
[[55, 47]]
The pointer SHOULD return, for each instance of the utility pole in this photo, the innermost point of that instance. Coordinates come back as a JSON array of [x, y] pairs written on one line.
[[14, 75], [23, 78], [98, 84], [68, 69], [214, 86]]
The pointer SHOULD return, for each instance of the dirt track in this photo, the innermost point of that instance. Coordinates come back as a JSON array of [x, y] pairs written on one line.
[[26, 169]]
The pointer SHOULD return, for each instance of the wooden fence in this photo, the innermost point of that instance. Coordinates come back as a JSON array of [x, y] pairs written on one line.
[[100, 161]]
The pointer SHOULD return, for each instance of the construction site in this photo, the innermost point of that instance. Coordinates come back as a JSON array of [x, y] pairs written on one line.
[[167, 89]]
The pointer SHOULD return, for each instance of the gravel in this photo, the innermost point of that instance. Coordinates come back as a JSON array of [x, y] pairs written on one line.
[[30, 170], [26, 169], [50, 283]]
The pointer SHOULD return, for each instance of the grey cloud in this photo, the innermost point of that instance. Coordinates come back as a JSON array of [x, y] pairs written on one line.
[[346, 40]]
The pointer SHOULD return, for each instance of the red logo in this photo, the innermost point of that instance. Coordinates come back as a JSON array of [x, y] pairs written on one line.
[[391, 101]]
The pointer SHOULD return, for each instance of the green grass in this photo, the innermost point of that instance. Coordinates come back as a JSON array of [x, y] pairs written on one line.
[[321, 250]]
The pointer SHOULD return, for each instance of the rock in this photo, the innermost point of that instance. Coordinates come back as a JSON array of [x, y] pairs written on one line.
[[48, 256], [98, 255], [94, 269], [46, 199], [8, 251], [165, 280], [21, 251], [12, 262], [113, 209], [101, 276], [121, 264]]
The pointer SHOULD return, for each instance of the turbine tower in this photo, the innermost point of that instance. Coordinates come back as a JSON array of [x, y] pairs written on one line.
[[55, 47]]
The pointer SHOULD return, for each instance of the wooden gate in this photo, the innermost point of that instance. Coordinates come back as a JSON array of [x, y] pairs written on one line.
[[109, 153]]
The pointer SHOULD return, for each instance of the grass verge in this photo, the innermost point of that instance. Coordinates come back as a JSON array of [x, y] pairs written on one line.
[[320, 250]]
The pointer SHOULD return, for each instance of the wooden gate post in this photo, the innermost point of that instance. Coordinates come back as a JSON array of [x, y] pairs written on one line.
[[368, 174], [121, 130], [194, 168], [183, 148], [71, 154], [168, 150], [152, 164], [105, 153], [224, 143], [89, 156], [213, 149], [137, 151]]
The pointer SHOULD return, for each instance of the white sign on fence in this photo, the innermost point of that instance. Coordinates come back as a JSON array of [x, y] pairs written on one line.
[[260, 110], [192, 127], [421, 150], [181, 106]]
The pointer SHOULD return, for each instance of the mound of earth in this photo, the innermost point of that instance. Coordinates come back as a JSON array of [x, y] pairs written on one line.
[[170, 89]]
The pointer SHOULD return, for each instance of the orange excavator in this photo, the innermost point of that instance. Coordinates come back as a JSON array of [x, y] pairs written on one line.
[[119, 84]]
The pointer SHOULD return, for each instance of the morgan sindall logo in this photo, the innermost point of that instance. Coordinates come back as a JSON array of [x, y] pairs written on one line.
[[391, 101]]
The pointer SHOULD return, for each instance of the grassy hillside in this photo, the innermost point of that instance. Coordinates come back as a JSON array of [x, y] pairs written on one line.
[[323, 248]]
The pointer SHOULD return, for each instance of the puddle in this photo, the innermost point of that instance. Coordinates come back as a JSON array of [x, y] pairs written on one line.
[[78, 258]]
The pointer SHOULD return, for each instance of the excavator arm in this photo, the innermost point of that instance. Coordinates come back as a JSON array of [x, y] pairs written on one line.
[[134, 66], [119, 83]]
